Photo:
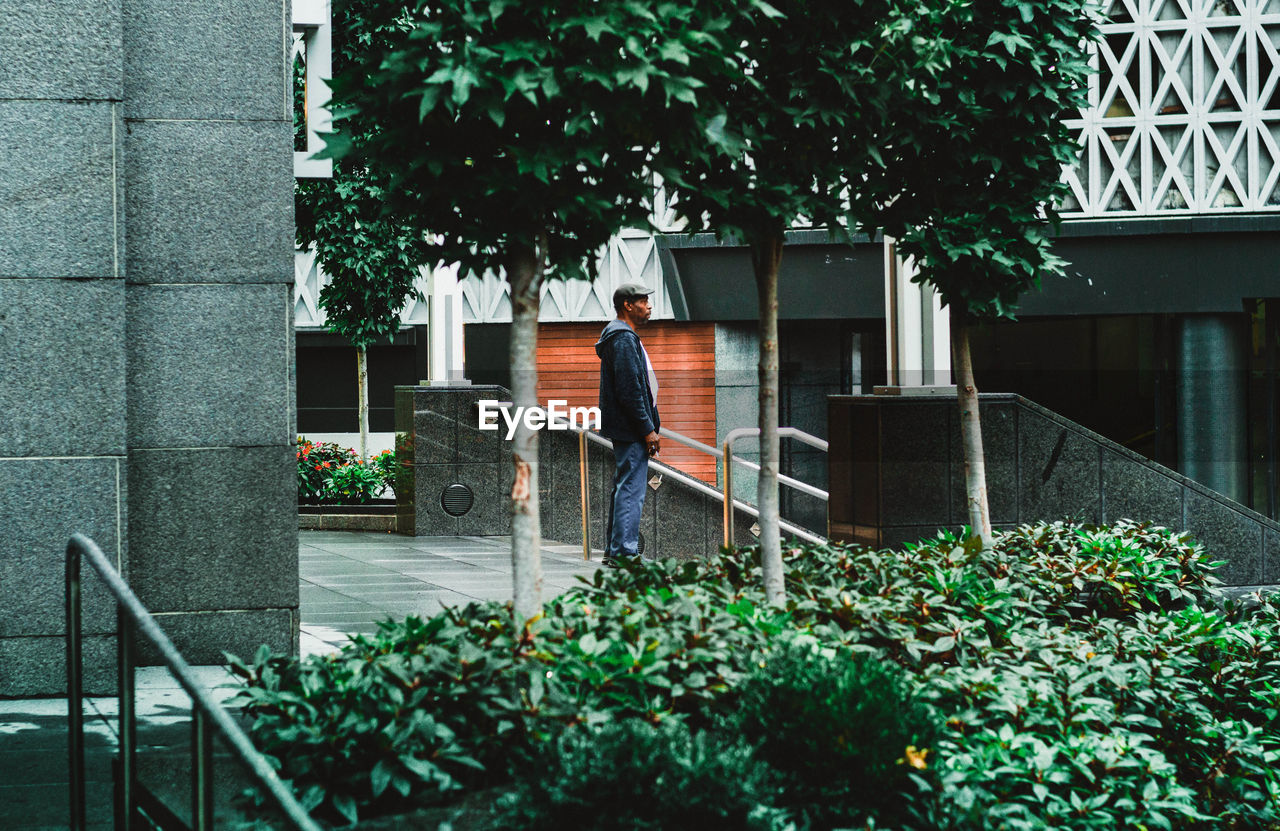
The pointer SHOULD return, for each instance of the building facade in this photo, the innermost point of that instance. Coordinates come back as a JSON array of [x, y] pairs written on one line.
[[1164, 334]]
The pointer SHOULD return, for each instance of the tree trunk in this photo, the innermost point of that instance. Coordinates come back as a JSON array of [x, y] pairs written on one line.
[[362, 393], [525, 275], [975, 471], [766, 255]]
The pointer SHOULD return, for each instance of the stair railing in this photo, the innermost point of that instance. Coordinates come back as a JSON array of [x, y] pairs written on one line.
[[728, 460], [730, 504], [133, 799]]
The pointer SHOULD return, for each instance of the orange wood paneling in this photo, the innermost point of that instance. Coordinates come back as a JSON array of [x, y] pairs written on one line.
[[683, 356]]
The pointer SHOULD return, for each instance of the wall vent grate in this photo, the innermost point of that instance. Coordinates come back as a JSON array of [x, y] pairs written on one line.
[[457, 500]]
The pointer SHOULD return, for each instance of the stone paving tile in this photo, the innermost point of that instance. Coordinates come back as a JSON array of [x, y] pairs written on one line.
[[389, 578], [461, 583], [397, 576], [450, 571]]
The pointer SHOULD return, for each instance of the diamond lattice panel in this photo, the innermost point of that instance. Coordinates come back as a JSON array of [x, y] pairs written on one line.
[[1184, 111], [630, 257], [306, 290], [309, 278]]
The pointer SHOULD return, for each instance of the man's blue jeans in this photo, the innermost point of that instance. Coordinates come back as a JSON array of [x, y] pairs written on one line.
[[632, 469]]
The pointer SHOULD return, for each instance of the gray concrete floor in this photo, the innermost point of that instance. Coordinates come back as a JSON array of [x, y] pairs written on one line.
[[349, 580]]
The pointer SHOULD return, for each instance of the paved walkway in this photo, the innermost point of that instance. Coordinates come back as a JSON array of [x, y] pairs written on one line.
[[348, 581], [352, 579]]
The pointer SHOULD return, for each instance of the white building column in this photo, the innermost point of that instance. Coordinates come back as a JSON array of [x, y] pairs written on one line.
[[313, 37], [447, 346], [917, 332]]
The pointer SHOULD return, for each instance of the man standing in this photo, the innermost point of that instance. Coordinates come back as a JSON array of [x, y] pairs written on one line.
[[628, 416]]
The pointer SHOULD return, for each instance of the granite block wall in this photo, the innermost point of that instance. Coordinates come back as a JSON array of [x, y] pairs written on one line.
[[62, 388], [897, 476], [208, 217], [145, 299]]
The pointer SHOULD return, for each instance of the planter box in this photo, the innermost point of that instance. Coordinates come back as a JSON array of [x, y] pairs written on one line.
[[374, 516]]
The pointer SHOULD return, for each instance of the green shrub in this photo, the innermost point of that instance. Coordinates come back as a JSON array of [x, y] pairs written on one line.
[[635, 775], [331, 474], [843, 731], [1104, 724], [1083, 677], [387, 469], [355, 483], [491, 687], [417, 711], [316, 462]]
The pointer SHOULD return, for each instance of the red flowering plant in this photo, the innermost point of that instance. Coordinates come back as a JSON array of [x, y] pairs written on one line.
[[331, 474], [317, 462]]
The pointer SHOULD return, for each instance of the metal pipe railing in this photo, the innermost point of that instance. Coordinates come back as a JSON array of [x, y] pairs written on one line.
[[585, 495], [730, 504], [727, 454], [207, 715]]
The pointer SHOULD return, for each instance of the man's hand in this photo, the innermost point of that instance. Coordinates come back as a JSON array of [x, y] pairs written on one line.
[[653, 443]]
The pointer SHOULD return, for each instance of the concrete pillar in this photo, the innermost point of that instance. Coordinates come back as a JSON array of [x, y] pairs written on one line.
[[1212, 407], [208, 210], [62, 335], [445, 328], [146, 383]]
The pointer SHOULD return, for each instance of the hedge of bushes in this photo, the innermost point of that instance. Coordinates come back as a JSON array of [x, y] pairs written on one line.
[[1068, 677]]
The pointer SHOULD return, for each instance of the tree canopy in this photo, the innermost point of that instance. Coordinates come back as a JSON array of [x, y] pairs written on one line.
[[981, 184], [979, 188], [371, 256], [522, 136], [813, 108], [519, 135], [500, 123]]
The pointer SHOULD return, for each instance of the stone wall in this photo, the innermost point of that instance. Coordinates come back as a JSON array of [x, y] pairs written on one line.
[[146, 397], [897, 476]]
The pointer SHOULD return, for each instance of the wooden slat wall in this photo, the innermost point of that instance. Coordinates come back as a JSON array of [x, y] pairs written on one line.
[[683, 356]]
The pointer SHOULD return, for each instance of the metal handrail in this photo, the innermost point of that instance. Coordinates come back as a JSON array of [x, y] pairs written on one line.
[[747, 432], [206, 713], [730, 504], [744, 432]]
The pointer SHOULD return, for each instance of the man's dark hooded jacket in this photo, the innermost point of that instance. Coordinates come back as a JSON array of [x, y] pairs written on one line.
[[627, 412]]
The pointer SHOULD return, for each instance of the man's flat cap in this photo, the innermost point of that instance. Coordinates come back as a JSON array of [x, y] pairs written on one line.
[[630, 291]]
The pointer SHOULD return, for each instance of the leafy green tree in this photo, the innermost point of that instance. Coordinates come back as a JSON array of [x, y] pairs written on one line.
[[371, 256], [979, 181], [518, 135], [812, 112]]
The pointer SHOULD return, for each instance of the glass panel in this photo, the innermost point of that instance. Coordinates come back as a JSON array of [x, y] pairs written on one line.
[[1266, 74], [1118, 12], [1273, 128], [1266, 163], [1170, 60], [1120, 139], [1226, 197], [1117, 102], [1221, 97], [1175, 10]]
